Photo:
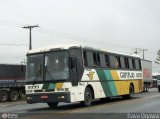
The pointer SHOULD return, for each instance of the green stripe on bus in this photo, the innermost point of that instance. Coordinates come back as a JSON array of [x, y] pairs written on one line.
[[51, 86], [48, 86], [104, 83], [45, 86], [111, 82]]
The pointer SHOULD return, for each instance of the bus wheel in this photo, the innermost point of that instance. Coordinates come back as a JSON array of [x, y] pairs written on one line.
[[158, 88], [52, 104], [3, 96], [144, 88], [88, 97], [131, 93], [147, 87], [14, 95]]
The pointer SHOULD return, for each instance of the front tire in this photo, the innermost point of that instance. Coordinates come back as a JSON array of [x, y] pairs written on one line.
[[52, 104], [88, 97]]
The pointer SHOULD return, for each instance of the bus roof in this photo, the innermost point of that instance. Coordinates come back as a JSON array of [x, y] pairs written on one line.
[[52, 47], [67, 46]]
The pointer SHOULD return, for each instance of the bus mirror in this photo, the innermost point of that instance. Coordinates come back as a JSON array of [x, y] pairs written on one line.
[[72, 62]]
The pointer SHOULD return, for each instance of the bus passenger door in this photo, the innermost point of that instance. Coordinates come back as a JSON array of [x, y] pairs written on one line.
[[73, 71]]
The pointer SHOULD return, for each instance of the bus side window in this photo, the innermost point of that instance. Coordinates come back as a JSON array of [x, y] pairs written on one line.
[[126, 63], [102, 60], [122, 62], [96, 59], [85, 58], [117, 63], [130, 63], [107, 60], [90, 58], [133, 62], [138, 64], [112, 60]]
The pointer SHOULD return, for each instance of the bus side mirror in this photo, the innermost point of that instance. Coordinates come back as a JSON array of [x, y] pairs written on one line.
[[72, 62]]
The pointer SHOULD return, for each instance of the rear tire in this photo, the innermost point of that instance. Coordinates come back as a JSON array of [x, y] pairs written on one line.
[[131, 93], [88, 97], [144, 89], [158, 88], [14, 95], [3, 96], [52, 104], [147, 87]]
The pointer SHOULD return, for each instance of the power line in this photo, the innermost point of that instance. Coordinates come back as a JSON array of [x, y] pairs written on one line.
[[79, 39], [13, 44], [137, 50], [30, 35]]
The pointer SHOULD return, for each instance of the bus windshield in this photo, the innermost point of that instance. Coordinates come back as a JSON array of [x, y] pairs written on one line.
[[48, 66], [56, 66], [35, 67]]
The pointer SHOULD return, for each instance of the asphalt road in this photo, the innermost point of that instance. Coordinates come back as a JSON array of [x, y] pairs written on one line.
[[143, 105]]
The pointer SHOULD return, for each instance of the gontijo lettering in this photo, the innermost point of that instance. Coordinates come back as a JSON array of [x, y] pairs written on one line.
[[130, 75]]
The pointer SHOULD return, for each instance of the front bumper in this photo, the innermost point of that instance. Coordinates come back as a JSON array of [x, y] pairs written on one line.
[[48, 97]]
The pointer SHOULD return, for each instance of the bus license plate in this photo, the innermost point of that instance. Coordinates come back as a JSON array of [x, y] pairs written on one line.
[[44, 97]]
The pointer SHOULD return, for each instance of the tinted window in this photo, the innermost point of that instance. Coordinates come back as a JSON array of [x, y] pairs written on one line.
[[113, 61], [118, 64], [137, 63], [130, 63], [107, 60], [90, 58], [122, 62], [102, 60], [133, 62], [96, 59], [85, 58], [126, 62]]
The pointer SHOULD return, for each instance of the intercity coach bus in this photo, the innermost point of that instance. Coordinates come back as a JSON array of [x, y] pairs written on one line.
[[72, 73]]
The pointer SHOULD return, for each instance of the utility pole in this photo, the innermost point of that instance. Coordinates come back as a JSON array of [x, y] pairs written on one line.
[[136, 50], [143, 50], [30, 35]]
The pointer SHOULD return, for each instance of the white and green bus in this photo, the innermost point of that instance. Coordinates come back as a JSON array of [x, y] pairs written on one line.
[[72, 73]]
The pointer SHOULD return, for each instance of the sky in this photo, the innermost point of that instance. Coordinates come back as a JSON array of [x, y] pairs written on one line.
[[117, 25]]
